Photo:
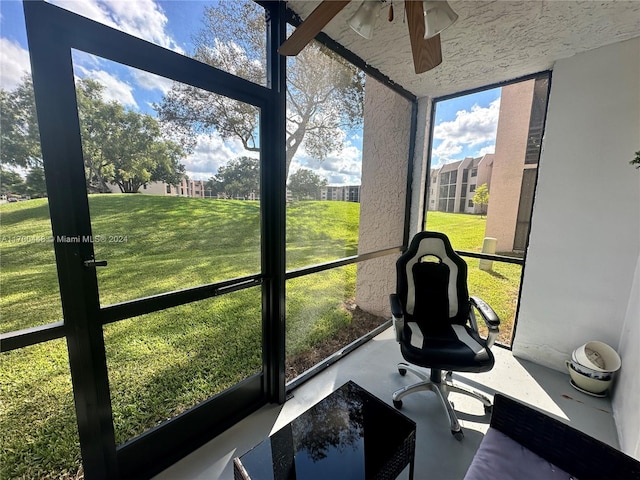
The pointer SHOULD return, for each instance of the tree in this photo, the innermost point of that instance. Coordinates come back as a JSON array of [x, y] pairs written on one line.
[[35, 184], [19, 133], [324, 95], [119, 146], [137, 155], [10, 181], [238, 178], [306, 184], [636, 160], [123, 146], [95, 117], [481, 197], [212, 187]]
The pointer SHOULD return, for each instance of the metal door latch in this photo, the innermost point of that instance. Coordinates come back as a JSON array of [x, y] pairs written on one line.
[[95, 263]]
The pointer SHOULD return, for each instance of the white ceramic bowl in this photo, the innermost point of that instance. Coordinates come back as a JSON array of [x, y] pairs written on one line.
[[588, 384], [589, 372], [597, 356]]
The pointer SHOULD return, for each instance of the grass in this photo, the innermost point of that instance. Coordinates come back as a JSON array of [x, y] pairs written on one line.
[[321, 231], [318, 296], [500, 286], [163, 363]]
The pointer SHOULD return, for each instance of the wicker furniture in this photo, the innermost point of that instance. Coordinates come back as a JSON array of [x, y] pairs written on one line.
[[543, 447], [349, 434]]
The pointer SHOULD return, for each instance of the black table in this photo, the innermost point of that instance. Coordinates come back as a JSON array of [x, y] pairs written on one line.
[[348, 435]]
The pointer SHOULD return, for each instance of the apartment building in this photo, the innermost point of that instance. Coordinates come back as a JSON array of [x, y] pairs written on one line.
[[515, 168], [510, 173], [186, 188], [344, 193], [452, 186]]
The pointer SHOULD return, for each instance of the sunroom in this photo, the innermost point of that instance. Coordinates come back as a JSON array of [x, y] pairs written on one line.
[[167, 332]]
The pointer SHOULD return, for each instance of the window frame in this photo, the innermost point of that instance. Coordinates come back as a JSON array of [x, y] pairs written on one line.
[[426, 180]]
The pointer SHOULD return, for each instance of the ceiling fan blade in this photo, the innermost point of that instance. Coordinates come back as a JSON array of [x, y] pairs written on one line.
[[427, 54], [311, 26]]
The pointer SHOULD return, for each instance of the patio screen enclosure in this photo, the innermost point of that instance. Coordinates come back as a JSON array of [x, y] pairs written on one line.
[[92, 306]]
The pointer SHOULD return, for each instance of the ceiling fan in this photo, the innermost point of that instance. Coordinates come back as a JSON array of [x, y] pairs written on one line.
[[424, 29]]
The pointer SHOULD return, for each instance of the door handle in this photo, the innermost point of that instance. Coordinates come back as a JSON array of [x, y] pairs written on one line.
[[95, 263]]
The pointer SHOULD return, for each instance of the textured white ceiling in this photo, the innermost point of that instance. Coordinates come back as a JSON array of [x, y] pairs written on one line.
[[492, 41]]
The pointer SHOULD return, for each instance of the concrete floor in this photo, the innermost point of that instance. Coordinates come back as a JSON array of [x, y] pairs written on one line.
[[438, 454]]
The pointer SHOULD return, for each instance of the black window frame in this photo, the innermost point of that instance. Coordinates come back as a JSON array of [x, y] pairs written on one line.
[[545, 75]]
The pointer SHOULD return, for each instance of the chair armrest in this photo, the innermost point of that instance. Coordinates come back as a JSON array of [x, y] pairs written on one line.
[[398, 315], [396, 307], [490, 318]]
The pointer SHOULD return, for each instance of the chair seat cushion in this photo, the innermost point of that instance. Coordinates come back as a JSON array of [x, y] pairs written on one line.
[[446, 347], [500, 457]]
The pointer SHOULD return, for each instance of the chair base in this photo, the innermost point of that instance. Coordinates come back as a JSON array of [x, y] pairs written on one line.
[[441, 387]]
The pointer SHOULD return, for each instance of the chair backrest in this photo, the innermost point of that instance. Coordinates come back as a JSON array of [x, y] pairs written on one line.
[[432, 281]]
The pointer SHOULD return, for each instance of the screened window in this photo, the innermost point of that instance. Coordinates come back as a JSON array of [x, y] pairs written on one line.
[[506, 132], [339, 209]]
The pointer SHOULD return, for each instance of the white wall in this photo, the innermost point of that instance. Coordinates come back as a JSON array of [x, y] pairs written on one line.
[[585, 234], [627, 390]]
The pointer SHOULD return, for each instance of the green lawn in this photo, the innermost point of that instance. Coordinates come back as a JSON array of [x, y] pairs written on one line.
[[500, 286], [163, 363]]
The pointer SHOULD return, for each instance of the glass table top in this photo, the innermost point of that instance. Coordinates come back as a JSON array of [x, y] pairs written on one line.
[[350, 434]]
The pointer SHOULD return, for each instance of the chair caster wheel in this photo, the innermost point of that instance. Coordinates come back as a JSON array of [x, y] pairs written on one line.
[[397, 404], [488, 409], [458, 435], [402, 371]]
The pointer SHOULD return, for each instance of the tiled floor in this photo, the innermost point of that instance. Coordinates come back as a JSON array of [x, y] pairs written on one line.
[[438, 454]]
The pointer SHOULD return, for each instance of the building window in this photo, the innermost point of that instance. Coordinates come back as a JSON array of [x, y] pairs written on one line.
[[472, 187], [470, 204], [536, 121], [447, 191], [474, 172]]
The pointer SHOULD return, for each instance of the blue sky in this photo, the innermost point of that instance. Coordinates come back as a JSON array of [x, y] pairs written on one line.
[[464, 126]]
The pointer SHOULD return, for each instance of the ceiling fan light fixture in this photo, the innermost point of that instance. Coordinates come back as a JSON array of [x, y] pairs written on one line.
[[438, 16], [364, 20]]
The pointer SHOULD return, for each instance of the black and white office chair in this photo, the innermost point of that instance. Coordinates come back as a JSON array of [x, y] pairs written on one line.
[[435, 322]]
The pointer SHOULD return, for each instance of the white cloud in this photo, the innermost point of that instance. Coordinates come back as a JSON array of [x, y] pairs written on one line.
[[469, 129], [343, 167], [210, 153], [448, 149], [14, 64], [487, 150], [142, 18], [114, 88], [150, 81]]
